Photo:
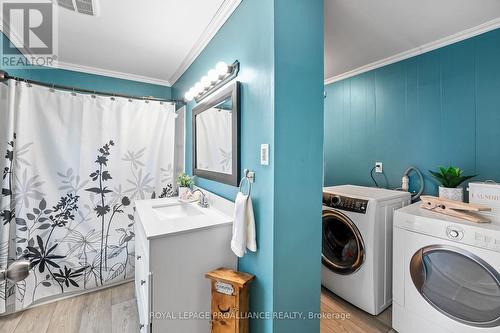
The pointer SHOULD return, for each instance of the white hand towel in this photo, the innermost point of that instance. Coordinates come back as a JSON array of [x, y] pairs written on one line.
[[243, 226], [251, 239]]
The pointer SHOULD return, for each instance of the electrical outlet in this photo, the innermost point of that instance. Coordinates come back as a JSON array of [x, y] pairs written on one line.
[[379, 168]]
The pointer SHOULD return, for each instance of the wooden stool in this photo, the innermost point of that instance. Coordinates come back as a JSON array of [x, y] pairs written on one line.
[[229, 300]]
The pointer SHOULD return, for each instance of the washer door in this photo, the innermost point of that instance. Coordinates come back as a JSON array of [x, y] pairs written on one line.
[[458, 284], [343, 247]]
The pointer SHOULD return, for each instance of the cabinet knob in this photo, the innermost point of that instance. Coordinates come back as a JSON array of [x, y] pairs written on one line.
[[143, 282], [138, 257]]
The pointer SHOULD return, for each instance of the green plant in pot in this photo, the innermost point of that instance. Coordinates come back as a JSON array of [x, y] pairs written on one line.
[[185, 182], [450, 179]]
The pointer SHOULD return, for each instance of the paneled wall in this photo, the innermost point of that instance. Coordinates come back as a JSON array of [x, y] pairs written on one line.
[[439, 108]]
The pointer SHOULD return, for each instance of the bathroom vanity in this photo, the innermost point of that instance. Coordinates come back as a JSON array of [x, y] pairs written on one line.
[[176, 244]]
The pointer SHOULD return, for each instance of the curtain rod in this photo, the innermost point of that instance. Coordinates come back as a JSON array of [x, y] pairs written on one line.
[[4, 76]]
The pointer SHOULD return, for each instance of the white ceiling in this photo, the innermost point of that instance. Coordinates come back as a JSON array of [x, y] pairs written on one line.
[[148, 39], [156, 40], [361, 32], [151, 41]]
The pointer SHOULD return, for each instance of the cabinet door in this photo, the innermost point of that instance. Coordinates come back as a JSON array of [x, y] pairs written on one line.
[[224, 313]]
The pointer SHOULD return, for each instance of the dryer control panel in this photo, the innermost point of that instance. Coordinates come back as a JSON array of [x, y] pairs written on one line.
[[345, 203]]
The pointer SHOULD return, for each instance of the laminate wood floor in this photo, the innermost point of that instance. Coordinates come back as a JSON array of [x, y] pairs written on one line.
[[106, 311], [114, 310], [346, 318]]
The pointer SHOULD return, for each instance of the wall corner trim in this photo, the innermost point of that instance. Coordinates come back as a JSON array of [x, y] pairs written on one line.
[[16, 41], [225, 10], [223, 13], [451, 39]]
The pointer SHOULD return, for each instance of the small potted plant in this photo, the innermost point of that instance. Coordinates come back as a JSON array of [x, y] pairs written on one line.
[[185, 182], [450, 179]]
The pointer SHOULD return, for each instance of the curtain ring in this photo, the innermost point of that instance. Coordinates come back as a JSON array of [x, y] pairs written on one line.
[[93, 95], [52, 90], [113, 97], [73, 93]]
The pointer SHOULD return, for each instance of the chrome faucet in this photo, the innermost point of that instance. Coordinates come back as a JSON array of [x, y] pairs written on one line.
[[203, 200]]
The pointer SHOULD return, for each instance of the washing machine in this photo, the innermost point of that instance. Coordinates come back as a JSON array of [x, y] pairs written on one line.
[[446, 274], [357, 244]]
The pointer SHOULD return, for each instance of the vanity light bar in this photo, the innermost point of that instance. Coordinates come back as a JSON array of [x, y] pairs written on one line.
[[215, 78]]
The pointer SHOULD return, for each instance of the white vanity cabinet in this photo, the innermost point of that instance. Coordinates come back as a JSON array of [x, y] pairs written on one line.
[[175, 246]]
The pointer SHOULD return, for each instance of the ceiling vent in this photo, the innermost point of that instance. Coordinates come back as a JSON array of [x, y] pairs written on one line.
[[87, 7], [68, 4]]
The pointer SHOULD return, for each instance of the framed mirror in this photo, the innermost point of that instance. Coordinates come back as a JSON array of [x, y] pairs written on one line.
[[216, 137]]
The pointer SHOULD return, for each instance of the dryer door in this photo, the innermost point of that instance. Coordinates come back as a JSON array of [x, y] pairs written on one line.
[[458, 283], [343, 248]]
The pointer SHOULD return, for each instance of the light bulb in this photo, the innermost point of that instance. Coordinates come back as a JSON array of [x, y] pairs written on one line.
[[221, 68], [213, 76], [205, 81], [188, 95], [198, 88], [194, 91]]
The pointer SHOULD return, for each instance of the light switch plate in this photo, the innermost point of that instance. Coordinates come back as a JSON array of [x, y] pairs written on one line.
[[264, 154]]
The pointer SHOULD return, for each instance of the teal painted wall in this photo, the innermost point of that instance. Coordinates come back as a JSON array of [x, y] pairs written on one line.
[[285, 44], [89, 81], [252, 44], [439, 108], [298, 161]]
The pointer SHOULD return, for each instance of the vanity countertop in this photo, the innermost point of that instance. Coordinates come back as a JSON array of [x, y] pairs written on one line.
[[218, 213]]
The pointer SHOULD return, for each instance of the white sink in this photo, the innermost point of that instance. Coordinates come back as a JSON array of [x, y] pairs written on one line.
[[169, 216], [175, 211]]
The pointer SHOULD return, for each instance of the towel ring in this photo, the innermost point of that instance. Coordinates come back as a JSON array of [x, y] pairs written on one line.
[[245, 177]]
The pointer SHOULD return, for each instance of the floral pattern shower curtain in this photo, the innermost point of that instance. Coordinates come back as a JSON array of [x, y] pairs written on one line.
[[73, 164]]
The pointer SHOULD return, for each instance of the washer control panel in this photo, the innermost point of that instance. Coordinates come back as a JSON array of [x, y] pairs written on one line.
[[345, 203], [475, 238], [486, 241]]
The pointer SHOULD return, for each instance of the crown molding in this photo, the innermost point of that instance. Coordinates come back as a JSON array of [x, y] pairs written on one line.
[[110, 73], [223, 13], [451, 39], [14, 39]]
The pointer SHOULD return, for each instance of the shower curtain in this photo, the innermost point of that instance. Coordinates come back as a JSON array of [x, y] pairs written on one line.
[[72, 166]]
